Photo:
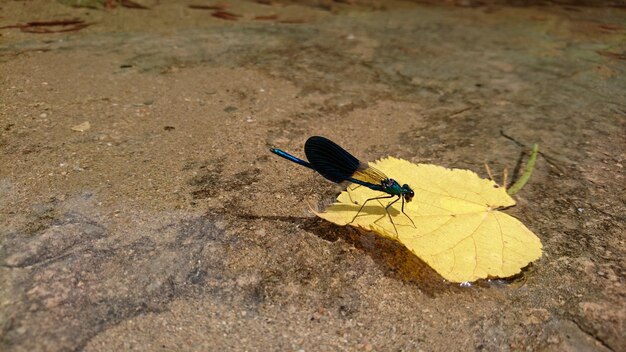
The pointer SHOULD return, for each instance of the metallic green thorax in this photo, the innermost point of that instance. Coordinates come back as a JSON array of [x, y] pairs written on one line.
[[389, 186]]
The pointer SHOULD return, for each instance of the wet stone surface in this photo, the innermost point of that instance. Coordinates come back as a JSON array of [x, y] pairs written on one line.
[[166, 224]]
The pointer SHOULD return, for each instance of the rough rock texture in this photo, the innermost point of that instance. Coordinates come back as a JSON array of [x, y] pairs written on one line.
[[168, 225]]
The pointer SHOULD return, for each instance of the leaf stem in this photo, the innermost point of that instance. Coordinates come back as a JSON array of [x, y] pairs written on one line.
[[530, 166]]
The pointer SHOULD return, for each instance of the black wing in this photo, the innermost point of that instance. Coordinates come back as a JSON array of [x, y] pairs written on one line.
[[330, 160]]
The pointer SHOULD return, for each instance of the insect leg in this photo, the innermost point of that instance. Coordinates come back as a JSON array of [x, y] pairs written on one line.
[[350, 190], [406, 214], [361, 208], [389, 215]]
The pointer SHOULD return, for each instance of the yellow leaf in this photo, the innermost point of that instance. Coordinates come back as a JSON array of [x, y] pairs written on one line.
[[458, 231]]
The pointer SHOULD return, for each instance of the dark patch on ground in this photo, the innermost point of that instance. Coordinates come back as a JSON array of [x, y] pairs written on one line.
[[50, 238], [208, 182], [67, 285]]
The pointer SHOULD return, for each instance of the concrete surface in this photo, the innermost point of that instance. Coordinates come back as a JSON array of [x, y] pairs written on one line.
[[167, 225]]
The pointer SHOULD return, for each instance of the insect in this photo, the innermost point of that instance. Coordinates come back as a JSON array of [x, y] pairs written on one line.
[[338, 165]]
